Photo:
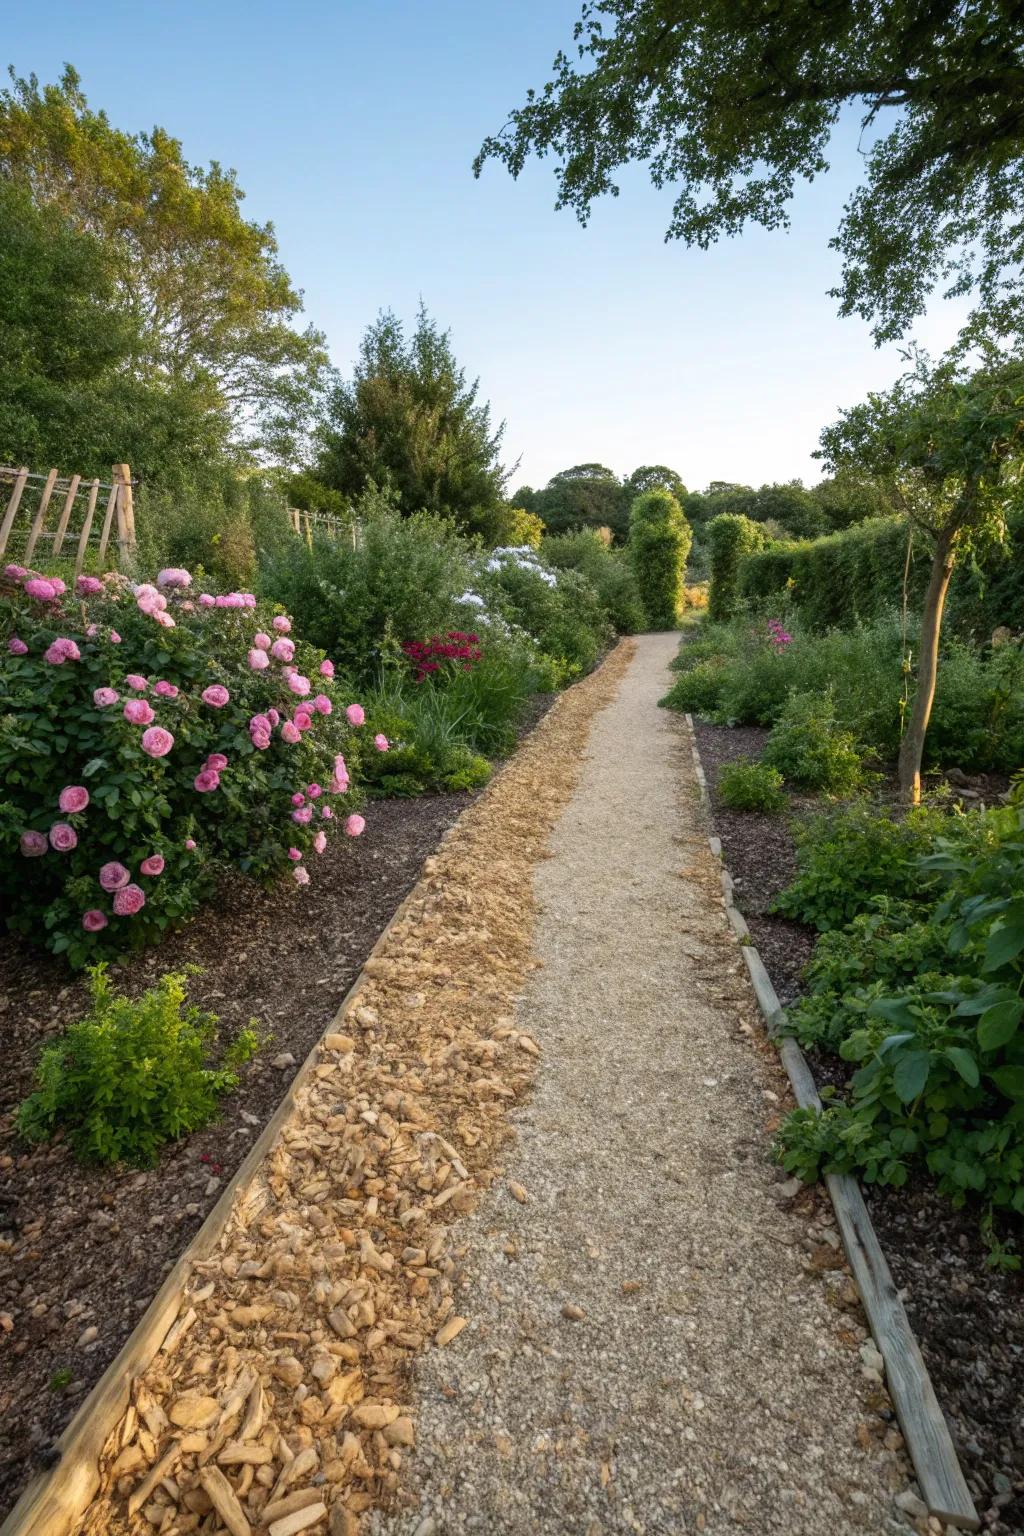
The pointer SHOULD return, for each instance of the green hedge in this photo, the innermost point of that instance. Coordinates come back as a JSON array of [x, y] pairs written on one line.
[[732, 537], [659, 542]]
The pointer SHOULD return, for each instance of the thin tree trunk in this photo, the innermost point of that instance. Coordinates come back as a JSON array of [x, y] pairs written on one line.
[[912, 745]]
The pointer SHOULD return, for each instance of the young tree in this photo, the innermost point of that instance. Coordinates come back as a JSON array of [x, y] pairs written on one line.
[[212, 306], [408, 419], [585, 496], [731, 103], [653, 477], [949, 446]]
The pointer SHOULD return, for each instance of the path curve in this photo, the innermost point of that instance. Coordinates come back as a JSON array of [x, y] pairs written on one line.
[[658, 1341]]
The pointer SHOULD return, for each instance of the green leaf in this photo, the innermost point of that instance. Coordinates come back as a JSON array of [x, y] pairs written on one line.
[[1009, 1080], [964, 1063], [999, 1024], [1006, 941], [911, 1074]]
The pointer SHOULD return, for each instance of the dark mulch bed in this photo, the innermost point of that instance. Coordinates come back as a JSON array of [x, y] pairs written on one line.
[[968, 1319], [83, 1251]]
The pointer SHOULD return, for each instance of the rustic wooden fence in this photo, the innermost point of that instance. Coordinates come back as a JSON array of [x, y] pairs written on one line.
[[306, 524], [48, 515]]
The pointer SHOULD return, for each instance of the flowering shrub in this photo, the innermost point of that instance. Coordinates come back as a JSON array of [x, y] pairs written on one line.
[[149, 736], [443, 656]]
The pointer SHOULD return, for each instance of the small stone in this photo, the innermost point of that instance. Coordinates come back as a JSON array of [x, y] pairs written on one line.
[[87, 1336], [909, 1503], [1001, 1483], [193, 1411], [401, 1432], [789, 1189], [284, 1061], [289, 1371], [343, 1043], [630, 1287], [212, 1185], [451, 1330], [574, 1313], [871, 1358], [517, 1192]]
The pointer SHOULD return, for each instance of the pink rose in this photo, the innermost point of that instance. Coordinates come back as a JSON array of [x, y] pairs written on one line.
[[207, 780], [33, 844], [299, 684], [43, 591], [303, 719], [104, 697], [17, 647], [381, 742], [190, 844], [216, 696], [354, 714], [326, 812], [302, 815], [322, 704], [273, 717], [282, 650], [259, 661], [294, 854], [92, 630], [129, 901], [88, 586], [260, 740], [206, 601], [63, 837], [15, 572], [114, 876], [60, 651], [73, 798], [314, 791], [156, 742], [289, 670], [340, 767], [249, 599], [262, 642], [165, 621], [290, 732], [94, 920], [298, 798], [166, 690], [260, 723], [174, 576], [282, 625], [154, 865], [137, 682], [327, 669], [300, 875], [354, 826], [217, 761], [114, 637], [139, 712], [320, 842], [146, 590]]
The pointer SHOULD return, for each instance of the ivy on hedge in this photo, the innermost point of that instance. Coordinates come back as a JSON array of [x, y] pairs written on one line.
[[732, 537]]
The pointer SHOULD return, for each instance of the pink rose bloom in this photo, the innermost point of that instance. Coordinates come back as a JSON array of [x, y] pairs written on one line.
[[302, 815], [355, 714], [104, 697], [207, 780], [129, 901], [354, 826], [190, 844], [290, 732], [217, 761], [43, 591], [154, 865], [320, 842], [300, 875], [174, 576], [340, 767], [260, 723], [57, 585], [63, 837], [139, 712], [114, 637], [146, 589], [165, 621], [151, 603], [282, 650], [289, 670], [156, 742], [314, 791], [260, 740], [381, 742], [322, 704], [298, 798], [282, 625], [326, 812], [15, 572], [137, 682], [33, 844], [294, 854], [166, 690], [216, 696], [114, 876], [205, 600], [60, 651], [327, 669], [259, 661], [303, 719], [273, 717], [92, 630], [88, 586], [94, 920], [73, 798], [17, 647], [261, 641]]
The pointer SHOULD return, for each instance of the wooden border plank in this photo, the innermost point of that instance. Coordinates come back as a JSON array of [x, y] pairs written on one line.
[[943, 1486]]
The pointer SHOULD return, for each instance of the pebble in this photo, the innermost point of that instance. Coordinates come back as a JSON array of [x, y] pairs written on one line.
[[284, 1061], [910, 1504], [87, 1336]]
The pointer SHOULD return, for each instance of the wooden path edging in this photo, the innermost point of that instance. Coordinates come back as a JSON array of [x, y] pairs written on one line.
[[921, 1419]]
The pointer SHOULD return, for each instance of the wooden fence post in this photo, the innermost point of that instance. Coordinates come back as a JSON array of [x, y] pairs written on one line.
[[122, 477], [40, 517], [65, 516], [12, 507], [83, 541]]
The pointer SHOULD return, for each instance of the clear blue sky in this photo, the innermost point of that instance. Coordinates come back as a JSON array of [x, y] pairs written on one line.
[[352, 126]]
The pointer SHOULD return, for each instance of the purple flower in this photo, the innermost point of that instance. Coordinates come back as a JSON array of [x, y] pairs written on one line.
[[33, 844], [63, 837]]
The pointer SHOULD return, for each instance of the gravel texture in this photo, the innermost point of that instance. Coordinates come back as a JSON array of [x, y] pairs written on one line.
[[661, 1336]]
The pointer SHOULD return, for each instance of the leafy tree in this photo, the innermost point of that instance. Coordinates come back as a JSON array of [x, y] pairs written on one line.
[[792, 505], [654, 477], [585, 496], [850, 498], [659, 542], [409, 420], [700, 507], [730, 104], [212, 306], [949, 446]]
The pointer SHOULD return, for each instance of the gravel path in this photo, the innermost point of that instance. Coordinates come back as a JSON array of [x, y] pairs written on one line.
[[659, 1341]]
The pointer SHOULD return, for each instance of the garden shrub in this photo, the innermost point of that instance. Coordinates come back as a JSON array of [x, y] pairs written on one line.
[[517, 526], [133, 1074], [731, 537], [149, 738], [659, 542], [747, 785], [608, 570], [560, 611], [810, 749], [699, 689]]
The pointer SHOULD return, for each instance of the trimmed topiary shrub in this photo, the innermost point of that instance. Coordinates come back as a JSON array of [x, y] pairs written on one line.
[[731, 537], [659, 542]]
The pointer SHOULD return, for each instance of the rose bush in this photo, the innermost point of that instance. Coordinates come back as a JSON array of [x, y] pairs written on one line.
[[148, 737]]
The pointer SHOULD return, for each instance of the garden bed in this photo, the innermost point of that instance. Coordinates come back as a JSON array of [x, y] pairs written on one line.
[[968, 1319], [83, 1250]]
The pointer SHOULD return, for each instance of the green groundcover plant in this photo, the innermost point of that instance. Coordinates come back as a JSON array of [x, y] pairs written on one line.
[[810, 749], [133, 1074], [746, 785], [150, 736]]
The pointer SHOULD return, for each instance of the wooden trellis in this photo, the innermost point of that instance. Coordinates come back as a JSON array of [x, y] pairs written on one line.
[[306, 524], [32, 509]]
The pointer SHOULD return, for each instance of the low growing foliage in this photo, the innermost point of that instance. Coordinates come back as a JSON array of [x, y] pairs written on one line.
[[810, 749], [746, 785]]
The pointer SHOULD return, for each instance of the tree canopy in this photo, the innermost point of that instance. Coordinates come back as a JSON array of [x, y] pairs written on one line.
[[409, 420], [730, 105]]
